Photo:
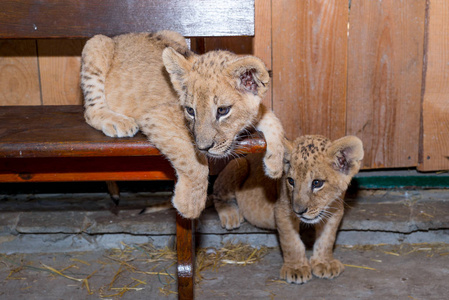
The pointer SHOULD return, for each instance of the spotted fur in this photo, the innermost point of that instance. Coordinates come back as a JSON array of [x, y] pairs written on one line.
[[151, 81], [316, 175]]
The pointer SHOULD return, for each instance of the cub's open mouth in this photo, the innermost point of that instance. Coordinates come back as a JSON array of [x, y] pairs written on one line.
[[220, 153], [314, 220]]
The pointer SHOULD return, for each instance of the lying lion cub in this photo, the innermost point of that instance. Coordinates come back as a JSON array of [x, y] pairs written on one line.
[[316, 175]]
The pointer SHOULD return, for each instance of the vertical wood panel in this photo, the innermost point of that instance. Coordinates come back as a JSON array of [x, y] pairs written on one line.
[[19, 81], [60, 63], [309, 64], [259, 45], [384, 79], [435, 139], [262, 41]]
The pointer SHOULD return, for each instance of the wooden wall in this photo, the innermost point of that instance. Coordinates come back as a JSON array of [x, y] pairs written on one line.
[[378, 69]]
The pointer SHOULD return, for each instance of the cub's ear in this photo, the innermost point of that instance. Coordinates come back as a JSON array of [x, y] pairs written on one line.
[[249, 75], [288, 148], [177, 67], [346, 154]]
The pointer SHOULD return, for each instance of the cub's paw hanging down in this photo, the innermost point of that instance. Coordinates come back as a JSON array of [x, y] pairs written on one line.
[[316, 175], [189, 106]]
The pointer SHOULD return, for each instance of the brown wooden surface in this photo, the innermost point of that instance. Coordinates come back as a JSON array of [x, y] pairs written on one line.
[[185, 245], [19, 74], [60, 169], [435, 139], [309, 66], [60, 131], [384, 79], [384, 74], [262, 42], [59, 65], [64, 18]]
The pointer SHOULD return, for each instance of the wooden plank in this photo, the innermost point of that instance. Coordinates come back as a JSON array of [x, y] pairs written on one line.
[[309, 66], [60, 64], [30, 132], [60, 169], [19, 76], [262, 42], [384, 79], [236, 44], [63, 18], [435, 111]]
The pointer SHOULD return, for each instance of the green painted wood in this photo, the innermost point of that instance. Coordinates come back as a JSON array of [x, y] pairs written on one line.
[[428, 181]]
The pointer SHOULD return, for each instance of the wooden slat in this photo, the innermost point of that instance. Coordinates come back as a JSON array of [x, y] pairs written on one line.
[[309, 66], [262, 41], [60, 131], [60, 64], [59, 169], [64, 18], [19, 76], [435, 138], [384, 79], [237, 44]]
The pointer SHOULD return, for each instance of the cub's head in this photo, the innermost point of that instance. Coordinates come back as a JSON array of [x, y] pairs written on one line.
[[318, 172], [220, 93]]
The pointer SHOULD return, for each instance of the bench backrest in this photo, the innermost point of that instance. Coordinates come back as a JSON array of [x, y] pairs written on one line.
[[85, 18]]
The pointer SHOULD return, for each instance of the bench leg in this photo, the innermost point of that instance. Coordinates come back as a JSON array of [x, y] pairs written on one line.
[[185, 247]]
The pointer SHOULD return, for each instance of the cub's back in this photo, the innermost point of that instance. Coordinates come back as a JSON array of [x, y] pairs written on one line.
[[137, 78]]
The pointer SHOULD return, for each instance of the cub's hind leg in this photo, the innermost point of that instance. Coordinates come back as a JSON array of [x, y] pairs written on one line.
[[225, 202], [96, 61], [165, 127]]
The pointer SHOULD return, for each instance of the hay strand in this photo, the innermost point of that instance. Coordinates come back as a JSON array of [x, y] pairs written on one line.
[[360, 267]]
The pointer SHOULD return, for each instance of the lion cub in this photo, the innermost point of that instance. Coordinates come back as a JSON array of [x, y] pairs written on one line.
[[316, 175], [190, 106]]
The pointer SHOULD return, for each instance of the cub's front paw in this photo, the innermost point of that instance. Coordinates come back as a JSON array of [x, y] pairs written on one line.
[[190, 197], [327, 269], [273, 165], [119, 126], [297, 273], [229, 214]]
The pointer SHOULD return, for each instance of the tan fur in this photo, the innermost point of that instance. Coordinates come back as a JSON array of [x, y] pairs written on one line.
[[241, 191], [150, 82]]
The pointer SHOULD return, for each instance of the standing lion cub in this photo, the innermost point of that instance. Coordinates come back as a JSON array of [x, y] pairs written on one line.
[[317, 173], [189, 106]]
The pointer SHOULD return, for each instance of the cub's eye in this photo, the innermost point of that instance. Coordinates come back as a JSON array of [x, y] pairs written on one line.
[[223, 111], [316, 184], [190, 111], [291, 181]]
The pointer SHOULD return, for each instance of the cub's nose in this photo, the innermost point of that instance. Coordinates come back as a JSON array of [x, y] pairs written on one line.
[[205, 148], [300, 210]]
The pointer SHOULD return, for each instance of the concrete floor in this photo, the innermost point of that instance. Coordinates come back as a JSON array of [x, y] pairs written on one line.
[[372, 272], [89, 241]]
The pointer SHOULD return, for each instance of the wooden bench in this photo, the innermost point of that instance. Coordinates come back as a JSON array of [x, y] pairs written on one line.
[[53, 143]]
